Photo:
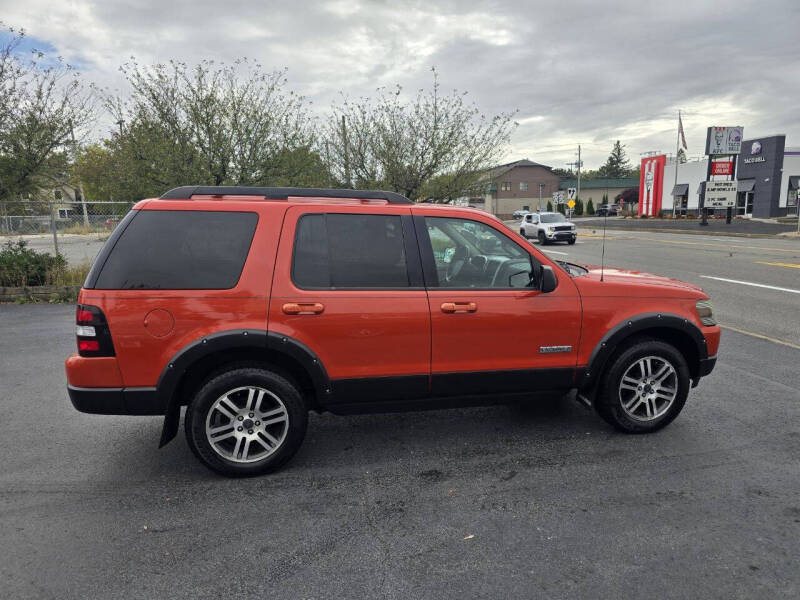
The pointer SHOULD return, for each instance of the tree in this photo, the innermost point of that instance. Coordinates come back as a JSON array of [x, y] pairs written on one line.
[[617, 164], [43, 105], [590, 208], [434, 145], [579, 207], [213, 124], [549, 206], [681, 155]]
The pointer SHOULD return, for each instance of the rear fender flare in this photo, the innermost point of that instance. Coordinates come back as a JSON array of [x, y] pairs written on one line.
[[176, 368]]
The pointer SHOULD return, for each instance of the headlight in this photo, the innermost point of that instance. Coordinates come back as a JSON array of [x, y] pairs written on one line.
[[572, 227], [705, 312]]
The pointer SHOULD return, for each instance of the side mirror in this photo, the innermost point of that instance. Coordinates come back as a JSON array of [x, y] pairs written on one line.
[[548, 280]]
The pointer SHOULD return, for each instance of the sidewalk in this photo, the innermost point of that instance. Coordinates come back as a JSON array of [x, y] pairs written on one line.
[[738, 227]]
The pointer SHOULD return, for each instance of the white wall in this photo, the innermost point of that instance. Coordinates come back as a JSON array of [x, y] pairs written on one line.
[[791, 168], [692, 172]]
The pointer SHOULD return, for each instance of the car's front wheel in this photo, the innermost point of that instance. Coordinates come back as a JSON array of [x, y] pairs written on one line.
[[542, 239], [246, 421], [644, 388]]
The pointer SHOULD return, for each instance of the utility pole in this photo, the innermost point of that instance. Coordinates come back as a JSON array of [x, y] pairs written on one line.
[[80, 182], [578, 191], [346, 154], [541, 185]]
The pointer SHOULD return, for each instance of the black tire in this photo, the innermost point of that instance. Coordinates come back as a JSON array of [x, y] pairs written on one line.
[[542, 239], [523, 234], [237, 377], [572, 241], [608, 402]]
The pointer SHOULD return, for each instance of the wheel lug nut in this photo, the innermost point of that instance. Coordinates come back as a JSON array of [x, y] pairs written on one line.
[[238, 429], [241, 418], [250, 431], [251, 414], [258, 422]]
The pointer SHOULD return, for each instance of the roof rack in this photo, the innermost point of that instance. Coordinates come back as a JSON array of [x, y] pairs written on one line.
[[281, 193]]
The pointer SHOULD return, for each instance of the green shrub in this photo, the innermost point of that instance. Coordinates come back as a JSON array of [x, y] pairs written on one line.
[[549, 206], [590, 207], [20, 266], [579, 207]]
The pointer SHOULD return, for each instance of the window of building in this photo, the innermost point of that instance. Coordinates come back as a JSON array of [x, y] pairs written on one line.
[[174, 250], [505, 186], [63, 213], [523, 186], [337, 250], [470, 254]]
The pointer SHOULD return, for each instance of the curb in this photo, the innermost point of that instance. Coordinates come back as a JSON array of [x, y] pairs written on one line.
[[693, 232]]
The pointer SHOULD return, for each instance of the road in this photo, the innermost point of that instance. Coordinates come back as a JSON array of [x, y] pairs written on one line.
[[536, 501]]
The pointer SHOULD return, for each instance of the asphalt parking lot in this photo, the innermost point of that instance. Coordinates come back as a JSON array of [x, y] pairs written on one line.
[[539, 500]]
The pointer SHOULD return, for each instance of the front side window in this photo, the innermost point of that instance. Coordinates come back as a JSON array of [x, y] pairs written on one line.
[[553, 218], [334, 250], [179, 250], [471, 254]]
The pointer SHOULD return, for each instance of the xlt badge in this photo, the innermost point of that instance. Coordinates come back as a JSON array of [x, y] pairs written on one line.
[[554, 349]]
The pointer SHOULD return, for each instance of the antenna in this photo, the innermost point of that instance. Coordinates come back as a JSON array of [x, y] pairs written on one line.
[[603, 252]]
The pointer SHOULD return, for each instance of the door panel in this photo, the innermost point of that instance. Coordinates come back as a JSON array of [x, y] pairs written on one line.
[[501, 338], [373, 342]]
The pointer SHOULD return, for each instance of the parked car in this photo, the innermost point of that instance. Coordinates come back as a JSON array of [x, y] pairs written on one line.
[[548, 227], [518, 214], [607, 210], [350, 302]]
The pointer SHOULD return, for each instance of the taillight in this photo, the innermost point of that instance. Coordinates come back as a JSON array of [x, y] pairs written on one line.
[[94, 336]]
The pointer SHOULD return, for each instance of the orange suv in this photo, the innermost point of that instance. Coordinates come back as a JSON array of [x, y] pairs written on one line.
[[252, 306]]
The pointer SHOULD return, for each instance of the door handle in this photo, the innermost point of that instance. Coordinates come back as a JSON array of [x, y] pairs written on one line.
[[303, 308], [453, 307]]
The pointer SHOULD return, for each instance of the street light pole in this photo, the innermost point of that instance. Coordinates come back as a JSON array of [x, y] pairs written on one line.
[[541, 185]]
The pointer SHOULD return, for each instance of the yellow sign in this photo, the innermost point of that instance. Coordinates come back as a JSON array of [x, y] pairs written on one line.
[[571, 203]]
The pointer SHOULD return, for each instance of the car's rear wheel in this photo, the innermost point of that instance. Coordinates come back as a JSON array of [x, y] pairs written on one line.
[[523, 234], [542, 239], [645, 387], [246, 421]]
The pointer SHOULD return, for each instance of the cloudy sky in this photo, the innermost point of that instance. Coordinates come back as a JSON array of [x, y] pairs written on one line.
[[577, 72]]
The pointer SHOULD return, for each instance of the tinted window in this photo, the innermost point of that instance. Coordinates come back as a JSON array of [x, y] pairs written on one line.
[[349, 251], [470, 254], [553, 218], [179, 250]]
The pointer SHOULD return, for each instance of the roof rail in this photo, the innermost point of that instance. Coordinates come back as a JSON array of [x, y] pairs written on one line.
[[281, 193]]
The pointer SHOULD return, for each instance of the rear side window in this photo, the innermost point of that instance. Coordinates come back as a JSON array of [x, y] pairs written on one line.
[[349, 251], [179, 250]]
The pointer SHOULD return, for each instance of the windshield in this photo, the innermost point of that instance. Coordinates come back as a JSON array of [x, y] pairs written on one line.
[[553, 218]]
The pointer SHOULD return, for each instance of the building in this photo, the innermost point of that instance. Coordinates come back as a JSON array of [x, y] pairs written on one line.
[[767, 173], [595, 189], [518, 185]]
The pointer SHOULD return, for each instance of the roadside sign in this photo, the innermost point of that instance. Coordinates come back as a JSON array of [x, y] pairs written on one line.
[[572, 193], [558, 197], [722, 167], [720, 194], [571, 203], [724, 140]]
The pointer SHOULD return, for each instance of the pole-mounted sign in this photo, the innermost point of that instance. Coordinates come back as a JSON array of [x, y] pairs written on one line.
[[722, 141]]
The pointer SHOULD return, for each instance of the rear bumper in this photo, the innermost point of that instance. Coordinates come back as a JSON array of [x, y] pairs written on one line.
[[706, 366], [116, 400]]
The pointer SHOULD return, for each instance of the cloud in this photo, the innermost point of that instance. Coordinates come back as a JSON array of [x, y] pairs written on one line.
[[578, 72]]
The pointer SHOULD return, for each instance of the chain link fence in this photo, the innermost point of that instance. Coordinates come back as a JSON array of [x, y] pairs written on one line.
[[74, 229]]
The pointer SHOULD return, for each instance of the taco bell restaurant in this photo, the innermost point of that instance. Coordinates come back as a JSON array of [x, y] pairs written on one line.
[[767, 174]]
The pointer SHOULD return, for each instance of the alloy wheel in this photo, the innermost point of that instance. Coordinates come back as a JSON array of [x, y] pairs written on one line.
[[648, 388], [247, 424]]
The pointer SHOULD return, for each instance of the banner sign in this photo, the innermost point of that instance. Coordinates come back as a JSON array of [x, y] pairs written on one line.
[[558, 197], [724, 140], [720, 194], [722, 168]]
